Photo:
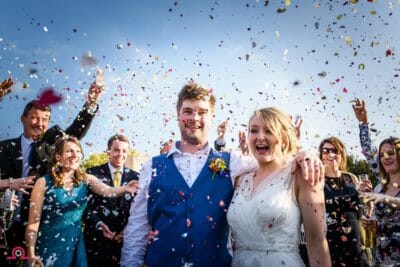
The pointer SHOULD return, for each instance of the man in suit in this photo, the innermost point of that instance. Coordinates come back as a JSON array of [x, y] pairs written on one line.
[[29, 154], [105, 218]]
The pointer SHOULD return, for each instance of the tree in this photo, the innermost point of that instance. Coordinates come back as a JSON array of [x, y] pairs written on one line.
[[94, 159], [97, 159], [358, 167]]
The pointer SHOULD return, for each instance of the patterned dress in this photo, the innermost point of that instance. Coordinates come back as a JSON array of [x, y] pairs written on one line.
[[387, 252], [342, 218], [60, 239]]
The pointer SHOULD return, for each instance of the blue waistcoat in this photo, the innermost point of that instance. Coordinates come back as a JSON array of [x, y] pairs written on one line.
[[191, 222]]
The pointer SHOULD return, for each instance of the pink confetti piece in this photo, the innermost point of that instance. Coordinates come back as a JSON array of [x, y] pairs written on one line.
[[49, 97]]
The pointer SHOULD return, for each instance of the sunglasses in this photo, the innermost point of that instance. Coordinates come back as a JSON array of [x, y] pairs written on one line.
[[387, 154], [327, 150]]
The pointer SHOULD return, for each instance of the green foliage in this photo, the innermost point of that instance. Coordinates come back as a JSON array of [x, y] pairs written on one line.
[[358, 167], [94, 159]]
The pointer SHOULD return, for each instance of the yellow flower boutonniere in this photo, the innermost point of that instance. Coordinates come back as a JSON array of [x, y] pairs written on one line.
[[218, 167]]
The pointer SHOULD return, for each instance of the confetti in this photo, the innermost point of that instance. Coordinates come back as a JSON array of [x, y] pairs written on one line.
[[88, 60], [49, 97]]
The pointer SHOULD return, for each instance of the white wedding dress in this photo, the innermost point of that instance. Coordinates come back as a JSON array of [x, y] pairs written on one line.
[[265, 223]]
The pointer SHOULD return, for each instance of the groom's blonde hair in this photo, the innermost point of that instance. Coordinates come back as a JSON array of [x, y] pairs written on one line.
[[193, 91]]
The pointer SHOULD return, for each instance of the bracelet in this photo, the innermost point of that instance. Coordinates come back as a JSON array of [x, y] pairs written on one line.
[[10, 181]]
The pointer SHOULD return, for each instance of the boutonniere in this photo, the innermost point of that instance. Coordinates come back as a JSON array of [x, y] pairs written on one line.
[[218, 167]]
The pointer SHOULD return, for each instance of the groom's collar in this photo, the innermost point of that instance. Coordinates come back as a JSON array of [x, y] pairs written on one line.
[[175, 150]]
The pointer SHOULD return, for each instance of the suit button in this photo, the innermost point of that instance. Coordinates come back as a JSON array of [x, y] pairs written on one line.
[[190, 195]]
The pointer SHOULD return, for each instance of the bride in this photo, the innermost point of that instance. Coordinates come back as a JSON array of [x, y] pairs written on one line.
[[269, 205]]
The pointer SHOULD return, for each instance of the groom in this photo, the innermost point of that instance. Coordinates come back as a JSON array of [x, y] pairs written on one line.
[[185, 194]]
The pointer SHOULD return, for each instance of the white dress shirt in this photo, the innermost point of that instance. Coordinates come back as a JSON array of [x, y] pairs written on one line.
[[189, 165]]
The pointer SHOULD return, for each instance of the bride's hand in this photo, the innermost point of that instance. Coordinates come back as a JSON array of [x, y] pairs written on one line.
[[311, 167]]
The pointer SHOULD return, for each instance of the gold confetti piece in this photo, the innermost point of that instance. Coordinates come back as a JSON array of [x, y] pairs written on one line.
[[25, 85], [347, 39]]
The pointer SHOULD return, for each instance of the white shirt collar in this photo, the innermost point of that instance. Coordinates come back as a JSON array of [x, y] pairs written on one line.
[[112, 169], [175, 150], [26, 141]]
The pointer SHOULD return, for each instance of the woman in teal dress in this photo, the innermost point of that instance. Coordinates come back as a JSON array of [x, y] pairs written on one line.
[[54, 231]]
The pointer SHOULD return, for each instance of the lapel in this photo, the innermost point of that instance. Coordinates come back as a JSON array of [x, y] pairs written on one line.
[[106, 174], [16, 153], [125, 176]]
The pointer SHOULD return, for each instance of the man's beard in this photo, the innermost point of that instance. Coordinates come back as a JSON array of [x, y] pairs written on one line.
[[193, 139]]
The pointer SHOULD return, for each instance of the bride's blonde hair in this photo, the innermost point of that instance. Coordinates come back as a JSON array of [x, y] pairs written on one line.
[[281, 127], [56, 169]]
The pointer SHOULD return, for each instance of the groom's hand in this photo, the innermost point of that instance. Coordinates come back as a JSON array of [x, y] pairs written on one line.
[[152, 236], [311, 167]]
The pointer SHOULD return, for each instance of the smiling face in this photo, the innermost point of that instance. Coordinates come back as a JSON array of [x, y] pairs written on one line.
[[388, 158], [35, 123], [118, 153], [263, 143], [70, 156], [330, 155], [271, 136], [194, 119], [332, 152]]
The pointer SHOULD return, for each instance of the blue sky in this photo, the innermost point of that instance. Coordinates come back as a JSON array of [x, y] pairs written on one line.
[[307, 60]]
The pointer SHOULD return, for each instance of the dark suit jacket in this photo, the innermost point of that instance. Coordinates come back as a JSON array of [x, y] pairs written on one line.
[[112, 211], [11, 155]]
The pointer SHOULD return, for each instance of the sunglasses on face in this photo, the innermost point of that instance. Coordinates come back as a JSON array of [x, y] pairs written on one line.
[[327, 150], [387, 154]]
